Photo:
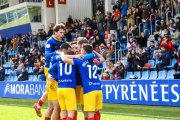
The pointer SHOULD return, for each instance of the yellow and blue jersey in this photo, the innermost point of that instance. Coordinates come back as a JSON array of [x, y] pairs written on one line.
[[64, 73], [50, 49], [89, 75]]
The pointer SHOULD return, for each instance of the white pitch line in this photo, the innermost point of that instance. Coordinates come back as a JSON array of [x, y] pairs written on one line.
[[142, 115], [113, 113]]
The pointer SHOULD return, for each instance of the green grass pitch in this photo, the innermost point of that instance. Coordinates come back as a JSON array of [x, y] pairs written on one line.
[[21, 109]]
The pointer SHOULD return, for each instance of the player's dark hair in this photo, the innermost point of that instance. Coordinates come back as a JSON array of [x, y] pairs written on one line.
[[83, 41], [65, 46], [87, 48], [57, 27], [69, 52]]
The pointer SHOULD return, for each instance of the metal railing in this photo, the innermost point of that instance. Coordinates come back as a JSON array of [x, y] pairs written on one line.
[[3, 60], [117, 43], [140, 28], [167, 16], [128, 36], [151, 24], [147, 31]]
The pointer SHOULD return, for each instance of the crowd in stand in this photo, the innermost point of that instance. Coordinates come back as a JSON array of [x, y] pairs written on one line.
[[109, 34]]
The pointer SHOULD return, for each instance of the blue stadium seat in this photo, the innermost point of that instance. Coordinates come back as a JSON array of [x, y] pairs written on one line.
[[35, 78], [7, 65], [170, 74], [30, 78], [161, 74], [137, 74], [153, 65], [153, 75], [15, 78], [10, 78], [128, 74], [7, 71], [30, 70], [145, 75], [174, 61]]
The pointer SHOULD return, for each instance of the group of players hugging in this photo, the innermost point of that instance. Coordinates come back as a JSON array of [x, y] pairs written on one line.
[[71, 79]]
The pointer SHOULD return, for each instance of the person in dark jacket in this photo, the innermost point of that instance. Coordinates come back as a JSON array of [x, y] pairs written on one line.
[[142, 40], [142, 57], [132, 66], [2, 73], [23, 76], [165, 57]]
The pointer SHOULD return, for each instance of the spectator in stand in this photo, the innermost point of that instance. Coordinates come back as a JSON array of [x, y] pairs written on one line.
[[40, 73], [88, 32], [113, 24], [150, 49], [68, 35], [14, 42], [97, 49], [2, 73], [135, 31], [132, 66], [109, 70], [165, 56], [142, 40], [109, 51], [171, 25], [8, 43], [23, 76], [117, 6], [131, 45], [123, 34], [142, 58], [130, 17], [178, 23], [175, 36], [37, 65], [99, 21], [177, 65], [18, 66], [119, 71], [177, 6], [138, 16], [163, 25], [124, 9], [167, 43], [50, 31], [165, 32]]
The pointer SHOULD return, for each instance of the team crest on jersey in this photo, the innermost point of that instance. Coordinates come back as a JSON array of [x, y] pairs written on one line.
[[48, 46]]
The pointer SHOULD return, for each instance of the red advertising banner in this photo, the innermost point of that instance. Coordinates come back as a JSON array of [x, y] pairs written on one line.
[[50, 3], [61, 1]]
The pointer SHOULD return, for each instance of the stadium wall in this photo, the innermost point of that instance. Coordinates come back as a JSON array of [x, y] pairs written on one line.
[[144, 92], [21, 29]]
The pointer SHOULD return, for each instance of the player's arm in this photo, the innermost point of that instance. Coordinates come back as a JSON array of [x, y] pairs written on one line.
[[99, 56], [53, 71], [66, 59], [88, 56], [48, 50]]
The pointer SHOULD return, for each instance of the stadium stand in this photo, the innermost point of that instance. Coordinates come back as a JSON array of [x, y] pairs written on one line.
[[150, 31]]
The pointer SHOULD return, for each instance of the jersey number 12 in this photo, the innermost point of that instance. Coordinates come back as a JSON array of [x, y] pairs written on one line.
[[94, 70]]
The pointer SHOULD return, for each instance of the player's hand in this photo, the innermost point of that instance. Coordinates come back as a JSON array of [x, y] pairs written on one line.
[[96, 62]]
